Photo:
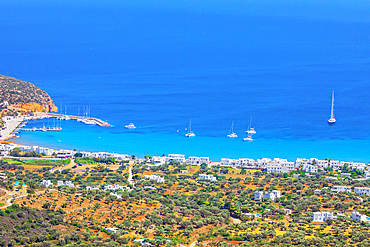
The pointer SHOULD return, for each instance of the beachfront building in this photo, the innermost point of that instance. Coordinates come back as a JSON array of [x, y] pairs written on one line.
[[65, 153], [258, 195], [338, 188], [197, 160], [360, 217], [273, 195], [362, 190], [46, 183], [310, 168], [322, 216], [207, 177], [176, 157], [276, 168], [156, 178], [92, 188]]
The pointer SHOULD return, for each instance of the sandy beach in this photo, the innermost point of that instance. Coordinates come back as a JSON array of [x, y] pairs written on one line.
[[10, 126]]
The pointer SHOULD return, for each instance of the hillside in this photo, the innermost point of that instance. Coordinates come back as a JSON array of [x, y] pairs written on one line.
[[24, 95]]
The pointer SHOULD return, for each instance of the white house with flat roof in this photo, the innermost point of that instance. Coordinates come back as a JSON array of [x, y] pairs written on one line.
[[207, 177], [322, 163], [65, 153], [310, 168], [322, 216], [367, 175], [302, 161], [338, 188], [176, 157], [273, 195], [92, 188], [258, 195], [158, 160], [276, 168], [192, 160], [46, 183], [156, 178], [359, 217], [335, 164], [362, 190], [263, 162]]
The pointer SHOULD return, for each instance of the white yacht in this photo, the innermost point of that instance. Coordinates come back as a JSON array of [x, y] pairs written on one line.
[[130, 126], [248, 138], [190, 132], [251, 130], [332, 119], [232, 134]]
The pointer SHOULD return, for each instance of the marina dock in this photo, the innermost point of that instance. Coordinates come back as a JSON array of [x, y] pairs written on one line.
[[95, 120]]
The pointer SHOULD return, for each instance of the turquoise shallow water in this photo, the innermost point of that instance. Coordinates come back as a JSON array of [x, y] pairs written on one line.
[[159, 63], [143, 142]]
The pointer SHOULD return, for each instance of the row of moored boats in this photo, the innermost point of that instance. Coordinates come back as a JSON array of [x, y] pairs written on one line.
[[251, 131]]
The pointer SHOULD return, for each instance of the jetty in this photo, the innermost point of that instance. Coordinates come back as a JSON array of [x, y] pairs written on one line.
[[97, 121], [42, 129]]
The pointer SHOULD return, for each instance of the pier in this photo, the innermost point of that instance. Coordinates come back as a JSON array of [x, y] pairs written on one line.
[[42, 129], [96, 121]]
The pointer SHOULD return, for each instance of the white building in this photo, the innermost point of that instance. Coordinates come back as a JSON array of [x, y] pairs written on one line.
[[263, 162], [92, 188], [60, 183], [335, 164], [367, 175], [69, 184], [207, 177], [322, 163], [258, 195], [156, 178], [338, 188], [46, 183], [302, 161], [310, 168], [273, 195], [197, 160], [317, 192], [359, 217], [176, 157], [65, 153], [158, 160], [3, 177], [276, 168], [114, 187], [322, 216], [362, 190]]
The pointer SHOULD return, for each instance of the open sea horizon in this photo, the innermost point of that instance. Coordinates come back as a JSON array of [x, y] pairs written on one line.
[[159, 64]]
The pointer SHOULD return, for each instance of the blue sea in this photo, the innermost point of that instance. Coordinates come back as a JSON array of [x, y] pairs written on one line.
[[160, 63]]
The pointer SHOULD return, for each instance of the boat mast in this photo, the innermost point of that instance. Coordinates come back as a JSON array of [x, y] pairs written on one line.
[[332, 106]]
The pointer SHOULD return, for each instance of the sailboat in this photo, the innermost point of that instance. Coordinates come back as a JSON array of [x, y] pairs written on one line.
[[190, 132], [332, 119], [232, 134], [248, 138], [251, 130]]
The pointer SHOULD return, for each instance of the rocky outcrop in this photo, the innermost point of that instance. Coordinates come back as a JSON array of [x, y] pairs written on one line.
[[25, 96]]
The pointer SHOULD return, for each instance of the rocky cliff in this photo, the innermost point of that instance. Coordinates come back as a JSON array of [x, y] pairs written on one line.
[[25, 95]]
